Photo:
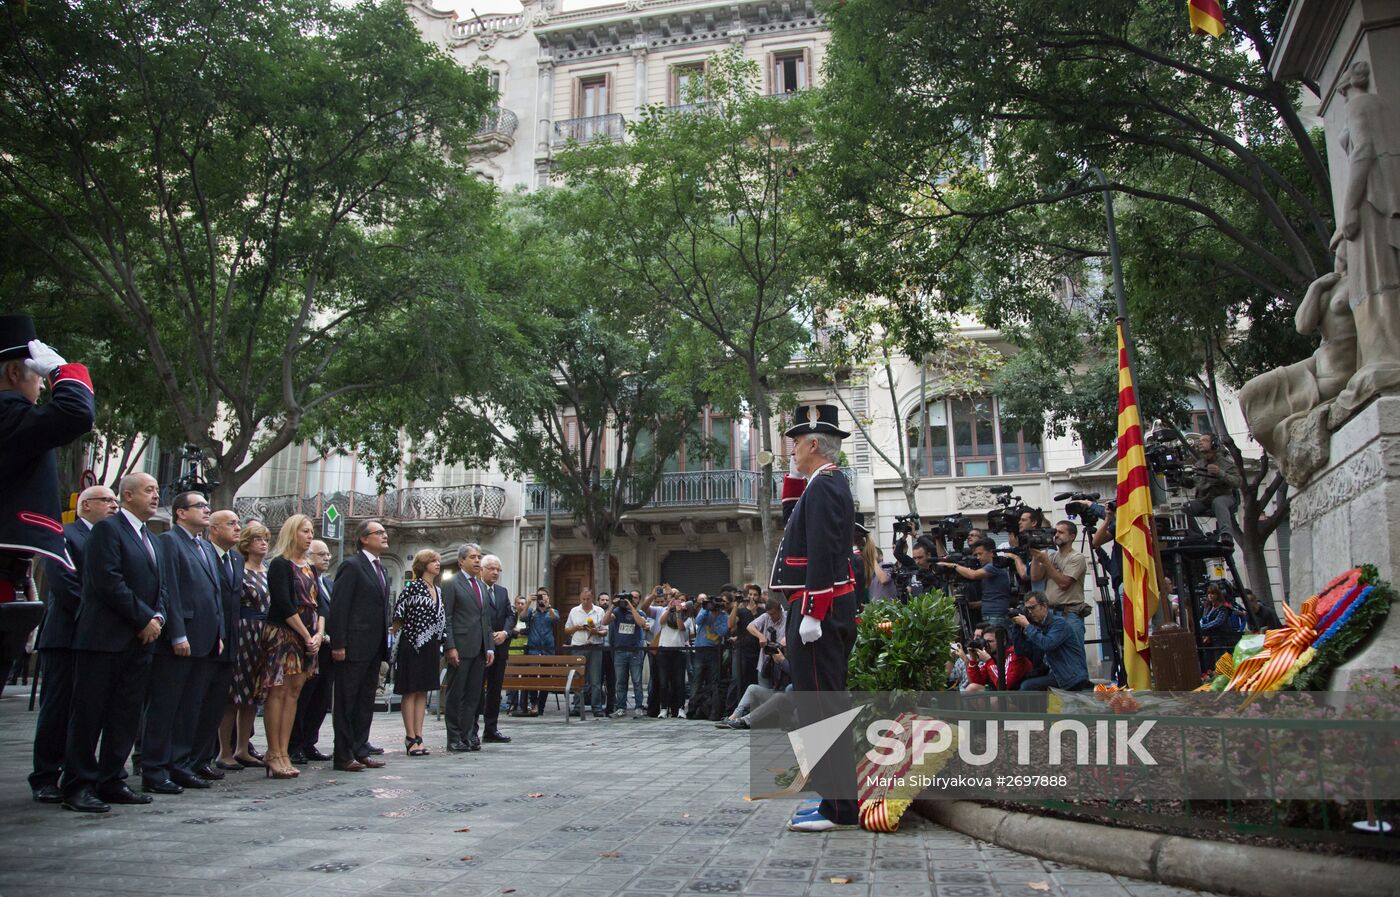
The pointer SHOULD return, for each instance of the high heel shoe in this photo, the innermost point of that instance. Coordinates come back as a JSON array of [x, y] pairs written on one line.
[[275, 769]]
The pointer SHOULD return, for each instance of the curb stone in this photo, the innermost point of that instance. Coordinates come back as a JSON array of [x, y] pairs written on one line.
[[1245, 870]]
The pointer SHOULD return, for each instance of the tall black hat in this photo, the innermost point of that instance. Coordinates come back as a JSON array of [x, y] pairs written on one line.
[[811, 419], [15, 333]]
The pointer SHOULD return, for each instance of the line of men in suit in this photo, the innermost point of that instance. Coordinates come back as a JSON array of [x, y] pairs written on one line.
[[480, 617], [139, 639]]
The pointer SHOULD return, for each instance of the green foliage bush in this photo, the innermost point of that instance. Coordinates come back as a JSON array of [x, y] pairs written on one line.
[[912, 654]]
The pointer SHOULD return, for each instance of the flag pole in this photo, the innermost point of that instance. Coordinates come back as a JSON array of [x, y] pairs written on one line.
[[1120, 296]]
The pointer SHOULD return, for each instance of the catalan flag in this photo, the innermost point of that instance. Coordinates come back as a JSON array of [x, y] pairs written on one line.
[[1206, 17], [1134, 534]]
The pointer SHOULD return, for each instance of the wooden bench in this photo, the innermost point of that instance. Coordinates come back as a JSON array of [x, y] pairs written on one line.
[[556, 674]]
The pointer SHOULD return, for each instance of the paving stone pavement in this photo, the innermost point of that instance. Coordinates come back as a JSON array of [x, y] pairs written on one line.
[[639, 808]]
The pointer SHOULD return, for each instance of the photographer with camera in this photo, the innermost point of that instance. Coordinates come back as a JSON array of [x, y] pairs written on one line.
[[627, 630], [673, 642], [1216, 479], [744, 649], [1029, 521], [992, 663], [756, 694], [1063, 573], [995, 574], [711, 629], [539, 619], [1052, 635]]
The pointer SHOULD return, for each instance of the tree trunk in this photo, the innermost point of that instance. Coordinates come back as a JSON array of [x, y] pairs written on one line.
[[765, 473], [602, 569], [1256, 566]]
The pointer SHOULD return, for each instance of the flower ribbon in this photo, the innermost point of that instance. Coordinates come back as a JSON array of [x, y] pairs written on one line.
[[1266, 670]]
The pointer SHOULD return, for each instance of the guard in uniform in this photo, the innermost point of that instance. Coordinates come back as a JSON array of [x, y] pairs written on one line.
[[30, 507], [814, 569]]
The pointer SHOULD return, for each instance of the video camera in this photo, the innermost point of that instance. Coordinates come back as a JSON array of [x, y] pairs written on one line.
[[1006, 518], [906, 525], [192, 481], [1166, 457], [1085, 506]]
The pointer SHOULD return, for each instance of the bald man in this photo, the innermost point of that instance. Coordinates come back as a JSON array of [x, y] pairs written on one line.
[[55, 643], [121, 613], [224, 530]]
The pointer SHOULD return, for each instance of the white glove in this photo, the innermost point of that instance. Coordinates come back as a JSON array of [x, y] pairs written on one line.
[[42, 358], [810, 629]]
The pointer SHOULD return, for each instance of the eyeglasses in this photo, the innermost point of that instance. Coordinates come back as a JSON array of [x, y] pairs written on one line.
[[203, 506]]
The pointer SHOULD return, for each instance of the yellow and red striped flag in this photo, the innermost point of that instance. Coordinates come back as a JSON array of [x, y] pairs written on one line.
[[1206, 17], [1134, 534]]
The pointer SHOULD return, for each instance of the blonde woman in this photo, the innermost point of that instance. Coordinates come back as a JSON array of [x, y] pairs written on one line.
[[246, 691], [421, 626], [291, 638]]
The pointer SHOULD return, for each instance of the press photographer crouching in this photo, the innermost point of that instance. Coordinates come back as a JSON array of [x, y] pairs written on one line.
[[1049, 633], [998, 576]]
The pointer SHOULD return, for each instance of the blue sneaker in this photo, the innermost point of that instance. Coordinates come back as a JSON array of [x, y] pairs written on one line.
[[815, 822]]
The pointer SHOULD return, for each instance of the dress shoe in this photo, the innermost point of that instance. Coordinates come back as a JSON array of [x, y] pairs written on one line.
[[253, 752], [352, 766], [473, 743], [164, 786], [317, 756], [370, 762], [84, 801], [185, 780], [230, 767], [496, 737], [207, 771], [48, 794], [458, 747], [371, 749], [298, 759], [121, 794]]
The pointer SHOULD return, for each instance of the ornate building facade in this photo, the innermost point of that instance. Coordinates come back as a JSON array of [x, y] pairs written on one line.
[[582, 75]]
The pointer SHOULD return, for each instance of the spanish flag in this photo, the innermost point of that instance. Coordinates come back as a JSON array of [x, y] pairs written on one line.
[[1206, 17], [1134, 534]]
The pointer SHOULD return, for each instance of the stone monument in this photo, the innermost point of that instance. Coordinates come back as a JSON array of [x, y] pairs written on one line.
[[1333, 421]]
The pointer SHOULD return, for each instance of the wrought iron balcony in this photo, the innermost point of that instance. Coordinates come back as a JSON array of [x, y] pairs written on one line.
[[685, 489], [412, 504], [589, 129], [500, 122]]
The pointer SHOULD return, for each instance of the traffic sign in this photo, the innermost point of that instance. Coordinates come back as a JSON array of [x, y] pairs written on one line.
[[335, 524]]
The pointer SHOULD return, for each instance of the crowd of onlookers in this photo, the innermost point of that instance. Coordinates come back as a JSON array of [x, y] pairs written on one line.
[[675, 655]]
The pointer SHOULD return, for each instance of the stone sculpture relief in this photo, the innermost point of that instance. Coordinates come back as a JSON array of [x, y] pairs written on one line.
[[1292, 410]]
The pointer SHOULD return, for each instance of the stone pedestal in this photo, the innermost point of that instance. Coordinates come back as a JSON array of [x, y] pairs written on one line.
[[1349, 514]]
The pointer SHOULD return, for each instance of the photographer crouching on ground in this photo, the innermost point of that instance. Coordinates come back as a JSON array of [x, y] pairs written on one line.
[[1038, 628]]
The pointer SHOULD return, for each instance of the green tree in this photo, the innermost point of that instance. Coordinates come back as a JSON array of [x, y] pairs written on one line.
[[578, 384], [702, 210], [978, 123], [265, 195]]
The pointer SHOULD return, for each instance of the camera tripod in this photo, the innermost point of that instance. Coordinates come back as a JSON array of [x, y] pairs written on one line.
[[1110, 615]]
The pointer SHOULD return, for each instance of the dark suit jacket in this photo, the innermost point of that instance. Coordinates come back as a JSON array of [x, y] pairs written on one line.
[[122, 588], [359, 605], [467, 621], [502, 616], [323, 595], [65, 591], [192, 585], [230, 596]]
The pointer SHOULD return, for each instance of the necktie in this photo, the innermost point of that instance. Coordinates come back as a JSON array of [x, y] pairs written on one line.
[[146, 541], [476, 586], [383, 580], [204, 556]]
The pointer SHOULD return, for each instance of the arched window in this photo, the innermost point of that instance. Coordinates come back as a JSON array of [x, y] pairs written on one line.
[[965, 438]]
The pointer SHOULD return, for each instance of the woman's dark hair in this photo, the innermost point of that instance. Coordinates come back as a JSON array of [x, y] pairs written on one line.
[[1003, 645]]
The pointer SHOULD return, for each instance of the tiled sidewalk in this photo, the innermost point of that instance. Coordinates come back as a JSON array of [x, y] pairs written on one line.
[[632, 807]]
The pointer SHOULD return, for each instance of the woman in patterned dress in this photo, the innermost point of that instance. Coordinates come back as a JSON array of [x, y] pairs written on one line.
[[246, 691], [421, 627], [291, 638]]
